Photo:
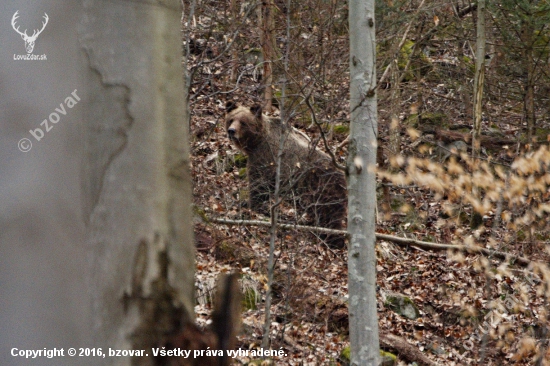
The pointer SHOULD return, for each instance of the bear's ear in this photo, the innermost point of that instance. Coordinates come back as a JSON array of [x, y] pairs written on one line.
[[256, 110], [230, 106]]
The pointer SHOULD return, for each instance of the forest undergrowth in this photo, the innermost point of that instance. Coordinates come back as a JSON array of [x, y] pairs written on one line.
[[471, 308]]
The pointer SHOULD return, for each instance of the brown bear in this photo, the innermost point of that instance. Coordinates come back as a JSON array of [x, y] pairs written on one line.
[[309, 180]]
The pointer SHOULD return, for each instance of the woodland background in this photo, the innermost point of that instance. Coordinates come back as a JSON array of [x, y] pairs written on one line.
[[454, 306]]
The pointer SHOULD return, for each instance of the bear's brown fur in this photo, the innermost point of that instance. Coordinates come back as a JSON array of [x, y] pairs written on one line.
[[308, 177]]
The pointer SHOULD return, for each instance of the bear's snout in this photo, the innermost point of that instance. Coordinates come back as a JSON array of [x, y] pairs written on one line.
[[232, 133]]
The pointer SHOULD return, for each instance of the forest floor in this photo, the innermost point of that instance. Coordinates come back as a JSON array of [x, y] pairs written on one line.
[[460, 321]]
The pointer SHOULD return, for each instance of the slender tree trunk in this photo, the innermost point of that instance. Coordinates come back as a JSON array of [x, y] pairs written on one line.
[[479, 78], [234, 52], [267, 34], [363, 320], [275, 208], [527, 33], [529, 101], [394, 133]]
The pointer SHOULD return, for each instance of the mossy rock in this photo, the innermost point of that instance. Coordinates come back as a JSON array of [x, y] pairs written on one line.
[[427, 121], [341, 129], [242, 173], [404, 55], [345, 355], [539, 135], [419, 63], [402, 305], [397, 202], [495, 130], [225, 251], [244, 195], [201, 213], [386, 358], [231, 162], [435, 119]]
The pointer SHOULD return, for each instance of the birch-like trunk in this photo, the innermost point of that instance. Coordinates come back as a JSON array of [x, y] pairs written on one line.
[[363, 320]]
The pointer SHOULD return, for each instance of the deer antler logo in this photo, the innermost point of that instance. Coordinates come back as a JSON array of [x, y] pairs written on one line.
[[29, 40]]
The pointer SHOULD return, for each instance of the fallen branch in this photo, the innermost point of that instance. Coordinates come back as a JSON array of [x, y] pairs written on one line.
[[404, 349], [394, 239], [465, 248], [283, 226]]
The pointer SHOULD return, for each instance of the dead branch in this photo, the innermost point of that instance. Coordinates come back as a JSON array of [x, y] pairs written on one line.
[[394, 239], [283, 226], [487, 141], [464, 248], [404, 349]]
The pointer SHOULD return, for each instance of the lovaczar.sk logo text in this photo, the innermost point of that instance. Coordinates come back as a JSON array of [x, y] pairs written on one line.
[[29, 40]]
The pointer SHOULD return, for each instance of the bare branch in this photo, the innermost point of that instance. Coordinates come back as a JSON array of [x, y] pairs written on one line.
[[323, 136], [394, 239]]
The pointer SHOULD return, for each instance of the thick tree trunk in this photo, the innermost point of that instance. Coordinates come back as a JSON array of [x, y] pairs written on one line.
[[362, 185], [137, 174], [96, 216], [43, 256]]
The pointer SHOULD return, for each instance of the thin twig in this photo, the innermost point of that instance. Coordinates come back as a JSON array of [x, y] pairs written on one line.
[[323, 136]]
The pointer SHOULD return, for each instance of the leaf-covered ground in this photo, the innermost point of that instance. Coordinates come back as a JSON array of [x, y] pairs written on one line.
[[474, 310], [310, 316]]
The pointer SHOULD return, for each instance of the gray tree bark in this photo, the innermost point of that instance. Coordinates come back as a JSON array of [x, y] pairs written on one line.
[[361, 165], [137, 178], [43, 257], [479, 78], [96, 216]]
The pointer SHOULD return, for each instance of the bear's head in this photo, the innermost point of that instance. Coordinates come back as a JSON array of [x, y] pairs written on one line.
[[244, 126]]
